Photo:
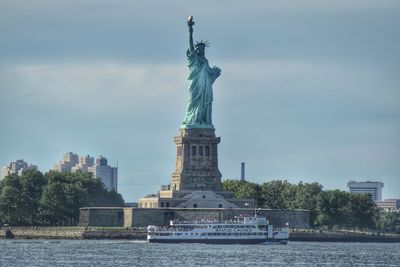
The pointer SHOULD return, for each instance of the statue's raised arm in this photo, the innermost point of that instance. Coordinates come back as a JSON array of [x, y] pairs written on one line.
[[190, 23]]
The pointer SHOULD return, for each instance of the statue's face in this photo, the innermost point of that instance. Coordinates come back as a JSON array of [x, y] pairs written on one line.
[[200, 50]]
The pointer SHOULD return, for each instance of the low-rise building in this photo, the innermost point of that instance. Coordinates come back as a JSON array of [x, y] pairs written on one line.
[[389, 204]]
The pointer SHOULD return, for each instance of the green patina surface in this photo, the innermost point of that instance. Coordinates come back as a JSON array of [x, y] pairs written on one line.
[[201, 79]]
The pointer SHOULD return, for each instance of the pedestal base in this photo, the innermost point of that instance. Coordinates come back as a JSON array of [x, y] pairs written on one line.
[[197, 160]]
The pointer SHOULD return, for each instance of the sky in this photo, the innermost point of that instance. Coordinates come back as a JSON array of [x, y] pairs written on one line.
[[309, 89]]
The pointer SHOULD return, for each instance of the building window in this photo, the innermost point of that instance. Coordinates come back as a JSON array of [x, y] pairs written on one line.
[[162, 204], [167, 204], [120, 217], [219, 205], [194, 151], [195, 205], [207, 151], [204, 196], [200, 151]]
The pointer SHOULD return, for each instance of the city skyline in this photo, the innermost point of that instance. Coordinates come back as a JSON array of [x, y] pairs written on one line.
[[308, 91]]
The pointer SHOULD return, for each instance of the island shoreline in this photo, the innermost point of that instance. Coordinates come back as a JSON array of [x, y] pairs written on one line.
[[140, 233]]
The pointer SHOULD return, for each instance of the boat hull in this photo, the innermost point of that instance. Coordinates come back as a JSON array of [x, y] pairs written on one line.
[[221, 241]]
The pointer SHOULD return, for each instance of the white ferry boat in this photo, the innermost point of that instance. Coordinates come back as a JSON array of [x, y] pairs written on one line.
[[244, 230]]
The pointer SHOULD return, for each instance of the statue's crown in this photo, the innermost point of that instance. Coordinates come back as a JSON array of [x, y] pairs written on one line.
[[202, 43]]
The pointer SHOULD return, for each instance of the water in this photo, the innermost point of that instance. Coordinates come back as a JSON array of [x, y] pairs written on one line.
[[135, 253]]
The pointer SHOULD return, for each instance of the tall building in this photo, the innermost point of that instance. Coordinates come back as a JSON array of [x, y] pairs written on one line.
[[373, 188], [70, 160], [16, 167], [100, 169], [107, 174], [84, 163]]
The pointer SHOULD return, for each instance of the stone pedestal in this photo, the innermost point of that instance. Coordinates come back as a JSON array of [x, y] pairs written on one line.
[[197, 160]]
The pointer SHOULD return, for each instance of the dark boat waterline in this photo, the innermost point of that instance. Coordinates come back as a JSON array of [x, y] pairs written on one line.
[[221, 241]]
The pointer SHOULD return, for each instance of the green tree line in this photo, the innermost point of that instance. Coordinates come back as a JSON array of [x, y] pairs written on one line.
[[328, 208], [51, 199]]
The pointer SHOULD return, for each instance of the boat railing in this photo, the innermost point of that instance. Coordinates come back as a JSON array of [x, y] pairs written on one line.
[[177, 222], [168, 228]]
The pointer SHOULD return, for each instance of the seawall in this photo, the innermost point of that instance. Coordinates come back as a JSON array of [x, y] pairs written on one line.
[[40, 232], [338, 236]]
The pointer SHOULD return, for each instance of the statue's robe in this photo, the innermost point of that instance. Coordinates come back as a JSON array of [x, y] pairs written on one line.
[[201, 77]]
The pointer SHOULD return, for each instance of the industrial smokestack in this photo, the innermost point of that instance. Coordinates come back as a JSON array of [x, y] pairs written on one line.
[[242, 176]]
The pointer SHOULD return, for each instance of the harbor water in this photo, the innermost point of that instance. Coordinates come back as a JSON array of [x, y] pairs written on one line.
[[140, 253]]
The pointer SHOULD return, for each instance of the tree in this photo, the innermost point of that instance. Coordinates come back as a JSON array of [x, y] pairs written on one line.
[[10, 201], [306, 198], [52, 199], [243, 189], [277, 194], [33, 183], [19, 197], [332, 208], [361, 211], [65, 193], [389, 221], [53, 209]]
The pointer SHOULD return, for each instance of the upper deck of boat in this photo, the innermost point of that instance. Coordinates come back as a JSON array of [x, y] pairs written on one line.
[[239, 221]]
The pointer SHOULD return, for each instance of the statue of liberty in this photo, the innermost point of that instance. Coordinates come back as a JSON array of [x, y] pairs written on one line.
[[201, 78]]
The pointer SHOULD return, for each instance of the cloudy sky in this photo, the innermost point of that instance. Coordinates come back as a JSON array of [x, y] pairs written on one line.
[[309, 90]]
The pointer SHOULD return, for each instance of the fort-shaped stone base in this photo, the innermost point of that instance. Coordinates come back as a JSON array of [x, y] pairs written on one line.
[[141, 217]]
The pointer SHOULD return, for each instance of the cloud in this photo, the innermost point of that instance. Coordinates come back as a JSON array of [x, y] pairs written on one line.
[[105, 87], [311, 92], [49, 31]]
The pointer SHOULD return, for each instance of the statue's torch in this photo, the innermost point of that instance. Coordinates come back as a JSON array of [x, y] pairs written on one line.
[[190, 21]]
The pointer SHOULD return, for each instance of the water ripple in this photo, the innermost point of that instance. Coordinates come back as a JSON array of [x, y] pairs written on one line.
[[100, 253]]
